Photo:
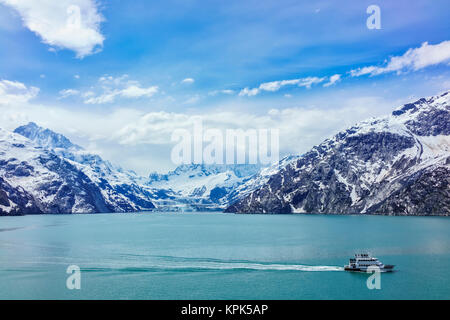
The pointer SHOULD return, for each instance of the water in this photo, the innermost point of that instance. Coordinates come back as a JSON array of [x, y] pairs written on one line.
[[221, 256]]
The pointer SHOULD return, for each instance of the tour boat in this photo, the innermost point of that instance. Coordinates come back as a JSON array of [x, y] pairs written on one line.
[[364, 262]]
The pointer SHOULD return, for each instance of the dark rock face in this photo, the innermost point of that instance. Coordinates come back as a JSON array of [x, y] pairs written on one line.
[[16, 201], [431, 123], [74, 186], [65, 188], [397, 166], [425, 193], [314, 181]]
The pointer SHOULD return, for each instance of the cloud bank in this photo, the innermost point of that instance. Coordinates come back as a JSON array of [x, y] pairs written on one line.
[[109, 88], [333, 80], [412, 60], [15, 93], [66, 24], [277, 85]]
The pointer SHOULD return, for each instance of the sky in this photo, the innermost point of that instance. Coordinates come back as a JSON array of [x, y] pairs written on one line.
[[118, 77]]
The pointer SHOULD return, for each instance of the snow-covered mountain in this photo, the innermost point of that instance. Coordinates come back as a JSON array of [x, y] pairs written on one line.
[[43, 172], [398, 164], [202, 187], [46, 138], [35, 180]]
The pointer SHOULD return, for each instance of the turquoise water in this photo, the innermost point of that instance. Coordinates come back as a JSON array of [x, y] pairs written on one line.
[[221, 256]]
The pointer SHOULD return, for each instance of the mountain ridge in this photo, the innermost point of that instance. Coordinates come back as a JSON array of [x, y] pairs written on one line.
[[58, 176], [397, 164]]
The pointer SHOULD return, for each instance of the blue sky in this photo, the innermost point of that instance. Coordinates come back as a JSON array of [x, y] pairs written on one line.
[[133, 65]]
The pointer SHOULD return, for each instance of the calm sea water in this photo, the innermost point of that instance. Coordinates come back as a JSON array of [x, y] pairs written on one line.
[[221, 256]]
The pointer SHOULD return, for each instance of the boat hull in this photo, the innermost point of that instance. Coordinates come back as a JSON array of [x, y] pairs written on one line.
[[386, 268]]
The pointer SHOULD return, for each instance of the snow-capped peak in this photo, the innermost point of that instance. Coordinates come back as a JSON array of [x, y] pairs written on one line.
[[46, 138]]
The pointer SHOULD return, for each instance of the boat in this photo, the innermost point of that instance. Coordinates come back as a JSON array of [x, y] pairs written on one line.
[[363, 262]]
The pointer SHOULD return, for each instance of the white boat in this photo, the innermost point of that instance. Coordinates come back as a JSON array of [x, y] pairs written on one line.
[[363, 261]]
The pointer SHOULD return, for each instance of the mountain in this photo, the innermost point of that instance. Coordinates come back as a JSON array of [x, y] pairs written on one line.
[[201, 187], [109, 188], [43, 172], [257, 180], [123, 189], [187, 188], [35, 180], [45, 137], [395, 165]]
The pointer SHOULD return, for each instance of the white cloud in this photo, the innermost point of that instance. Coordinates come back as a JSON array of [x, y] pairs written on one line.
[[362, 71], [308, 82], [225, 91], [300, 127], [333, 79], [76, 76], [133, 91], [68, 92], [67, 24], [110, 80], [14, 92], [103, 98], [249, 92], [113, 87], [414, 59], [276, 85], [188, 80]]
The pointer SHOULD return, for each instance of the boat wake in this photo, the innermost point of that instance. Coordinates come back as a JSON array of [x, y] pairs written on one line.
[[140, 263], [264, 267], [197, 264]]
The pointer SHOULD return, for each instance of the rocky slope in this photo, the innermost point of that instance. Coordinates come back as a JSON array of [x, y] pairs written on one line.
[[122, 189], [43, 172], [35, 180], [398, 164]]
